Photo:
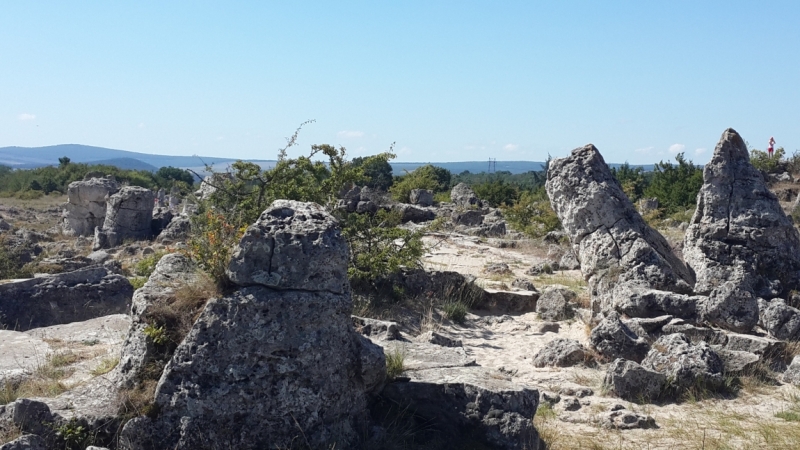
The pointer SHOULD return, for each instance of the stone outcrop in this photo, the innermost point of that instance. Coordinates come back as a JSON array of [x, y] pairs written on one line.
[[129, 215], [470, 401], [560, 353], [613, 339], [739, 234], [177, 230], [86, 205], [276, 360], [211, 183], [555, 304], [632, 382], [464, 197], [779, 319], [63, 298], [292, 245], [609, 237], [687, 364], [421, 197]]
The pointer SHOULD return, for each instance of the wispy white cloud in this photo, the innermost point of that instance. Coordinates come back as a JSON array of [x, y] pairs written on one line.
[[645, 150], [350, 134], [676, 148], [26, 116], [698, 151], [510, 147]]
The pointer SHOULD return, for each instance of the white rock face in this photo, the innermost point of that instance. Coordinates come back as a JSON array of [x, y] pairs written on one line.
[[86, 205]]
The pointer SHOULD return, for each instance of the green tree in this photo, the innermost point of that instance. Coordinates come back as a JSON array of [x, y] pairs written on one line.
[[63, 162], [763, 162], [496, 192], [632, 180], [675, 186], [170, 173], [376, 170], [532, 214]]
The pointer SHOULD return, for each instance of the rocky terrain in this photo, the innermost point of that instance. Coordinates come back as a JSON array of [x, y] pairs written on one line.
[[609, 334]]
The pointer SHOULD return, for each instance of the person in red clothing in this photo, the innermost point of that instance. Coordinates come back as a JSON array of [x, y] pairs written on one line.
[[771, 146]]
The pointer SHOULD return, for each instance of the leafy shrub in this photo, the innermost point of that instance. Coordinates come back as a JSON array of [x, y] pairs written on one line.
[[632, 180], [147, 265], [137, 282], [157, 334], [377, 171], [402, 187], [532, 214], [496, 192], [762, 161], [378, 247], [675, 186], [212, 242]]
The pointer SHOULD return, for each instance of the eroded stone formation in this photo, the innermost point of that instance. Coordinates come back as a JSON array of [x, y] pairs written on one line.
[[740, 243], [277, 360], [611, 240], [86, 205], [129, 215]]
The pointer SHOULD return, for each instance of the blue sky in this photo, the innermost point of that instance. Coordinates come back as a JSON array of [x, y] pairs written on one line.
[[446, 81]]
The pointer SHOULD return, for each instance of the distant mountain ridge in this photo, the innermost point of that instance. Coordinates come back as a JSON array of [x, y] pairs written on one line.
[[31, 157]]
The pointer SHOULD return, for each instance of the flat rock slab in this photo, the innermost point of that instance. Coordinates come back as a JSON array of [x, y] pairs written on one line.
[[423, 355], [496, 300], [20, 354], [108, 330]]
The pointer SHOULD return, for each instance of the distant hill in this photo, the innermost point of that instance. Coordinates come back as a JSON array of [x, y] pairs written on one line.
[[30, 157]]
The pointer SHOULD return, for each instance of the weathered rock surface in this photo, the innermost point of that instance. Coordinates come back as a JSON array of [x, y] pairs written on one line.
[[554, 304], [412, 213], [292, 245], [636, 299], [435, 338], [613, 339], [177, 230], [461, 401], [735, 361], [421, 197], [687, 364], [129, 215], [739, 233], [647, 327], [379, 329], [779, 319], [730, 306], [632, 382], [63, 298], [622, 419], [171, 272], [560, 353], [792, 374], [464, 197], [266, 366], [609, 237], [86, 205], [470, 217], [26, 442]]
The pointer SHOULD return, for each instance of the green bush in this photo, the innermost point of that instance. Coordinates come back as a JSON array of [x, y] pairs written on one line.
[[762, 161], [496, 192], [378, 247], [532, 214], [147, 265], [675, 186]]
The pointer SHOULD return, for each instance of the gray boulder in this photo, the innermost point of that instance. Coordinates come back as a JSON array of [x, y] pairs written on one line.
[[177, 230], [292, 245], [739, 233], [560, 353], [129, 215], [282, 349], [525, 285], [411, 213], [731, 307], [613, 339], [421, 197], [792, 374], [735, 361], [162, 217], [569, 262], [86, 205], [379, 329], [464, 197], [685, 363], [470, 401], [636, 299], [469, 217], [63, 298], [611, 240], [647, 327], [26, 442], [554, 304], [435, 338], [632, 382], [623, 419], [779, 319]]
